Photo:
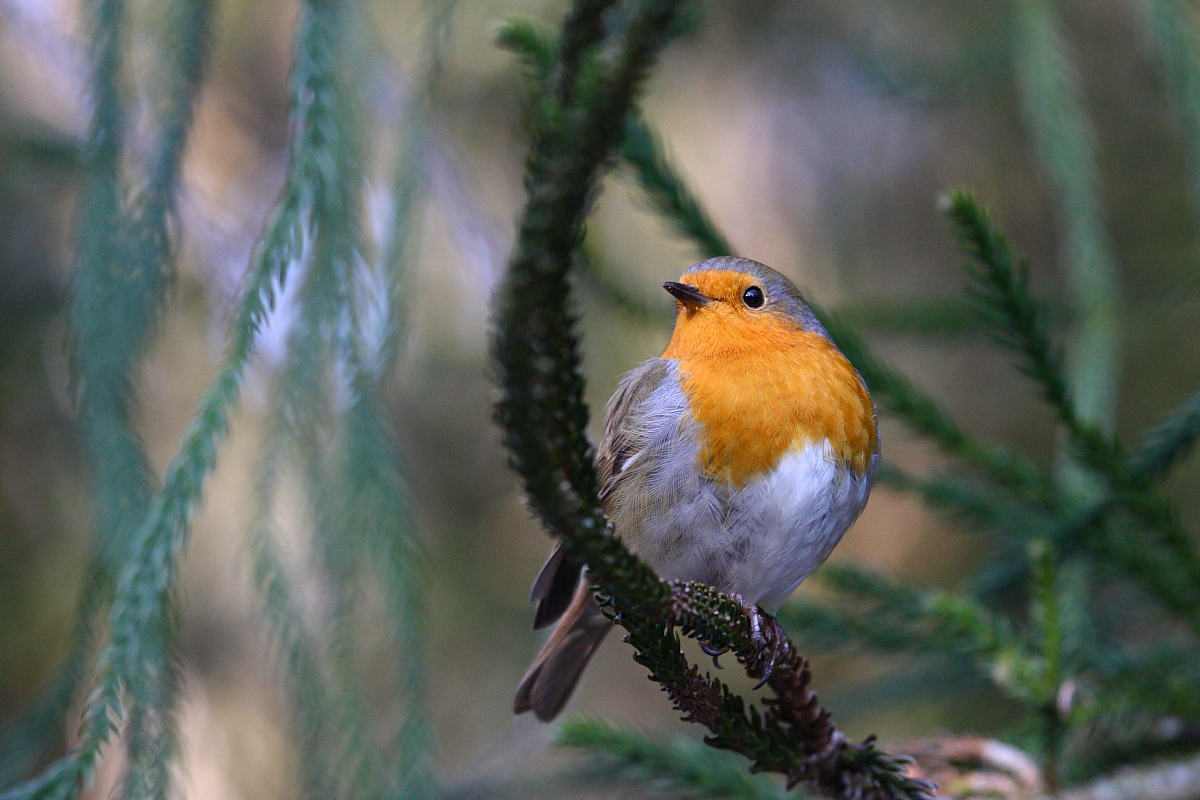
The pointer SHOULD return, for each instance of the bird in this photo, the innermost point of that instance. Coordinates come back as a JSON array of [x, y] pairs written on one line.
[[737, 458]]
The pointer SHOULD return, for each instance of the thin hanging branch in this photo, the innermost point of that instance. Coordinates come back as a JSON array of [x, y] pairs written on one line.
[[544, 419], [142, 597]]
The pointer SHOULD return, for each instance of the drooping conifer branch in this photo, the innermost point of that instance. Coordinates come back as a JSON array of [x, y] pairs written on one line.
[[544, 418], [1001, 283], [645, 154], [129, 659]]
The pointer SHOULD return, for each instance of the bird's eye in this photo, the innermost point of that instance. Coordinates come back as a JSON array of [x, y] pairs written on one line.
[[753, 297]]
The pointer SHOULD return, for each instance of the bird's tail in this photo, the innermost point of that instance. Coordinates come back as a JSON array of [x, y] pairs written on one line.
[[552, 676]]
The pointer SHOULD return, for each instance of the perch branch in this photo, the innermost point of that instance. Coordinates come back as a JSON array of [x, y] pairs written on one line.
[[544, 419]]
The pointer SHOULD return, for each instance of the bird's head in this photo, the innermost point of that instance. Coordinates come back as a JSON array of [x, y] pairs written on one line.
[[728, 305]]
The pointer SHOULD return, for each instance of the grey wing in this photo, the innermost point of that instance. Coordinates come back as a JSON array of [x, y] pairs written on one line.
[[619, 447], [624, 437]]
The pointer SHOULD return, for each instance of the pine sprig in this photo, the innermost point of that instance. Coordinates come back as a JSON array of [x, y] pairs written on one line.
[[897, 618], [583, 31], [926, 417], [150, 728], [647, 158], [1166, 443], [985, 506], [1000, 282], [142, 597], [293, 645], [1065, 145], [110, 321], [123, 260], [327, 411], [536, 47], [376, 499]]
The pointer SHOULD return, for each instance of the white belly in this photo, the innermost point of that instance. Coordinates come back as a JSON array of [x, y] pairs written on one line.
[[759, 541]]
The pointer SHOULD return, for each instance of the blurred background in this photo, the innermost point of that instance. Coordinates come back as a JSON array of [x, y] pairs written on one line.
[[818, 133]]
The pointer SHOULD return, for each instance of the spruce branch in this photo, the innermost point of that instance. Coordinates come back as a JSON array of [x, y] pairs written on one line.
[[544, 418], [1065, 144], [646, 156], [893, 617], [536, 47], [142, 594], [583, 31], [327, 410], [1166, 443], [985, 506], [124, 250], [294, 647], [150, 727], [1000, 282], [1047, 626]]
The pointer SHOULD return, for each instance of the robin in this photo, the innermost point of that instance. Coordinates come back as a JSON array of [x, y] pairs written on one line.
[[738, 458]]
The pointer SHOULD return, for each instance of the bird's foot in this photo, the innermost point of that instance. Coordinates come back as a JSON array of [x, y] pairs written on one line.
[[715, 652], [769, 639]]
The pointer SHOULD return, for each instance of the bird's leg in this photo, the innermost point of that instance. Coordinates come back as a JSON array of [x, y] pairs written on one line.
[[768, 637]]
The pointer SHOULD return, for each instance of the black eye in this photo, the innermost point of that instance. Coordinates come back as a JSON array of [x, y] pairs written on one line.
[[753, 297]]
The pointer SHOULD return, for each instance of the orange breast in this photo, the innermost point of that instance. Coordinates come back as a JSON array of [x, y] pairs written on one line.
[[761, 387]]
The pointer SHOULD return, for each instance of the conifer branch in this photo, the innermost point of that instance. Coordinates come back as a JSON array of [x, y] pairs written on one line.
[[647, 157], [1167, 442], [544, 418], [583, 31], [150, 730], [985, 506], [1064, 143], [141, 602], [292, 643], [124, 251], [345, 339], [1001, 285], [895, 618]]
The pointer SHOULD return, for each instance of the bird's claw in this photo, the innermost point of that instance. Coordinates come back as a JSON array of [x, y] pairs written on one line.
[[715, 652], [769, 640]]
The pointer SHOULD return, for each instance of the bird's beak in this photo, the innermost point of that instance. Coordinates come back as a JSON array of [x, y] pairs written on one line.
[[688, 295]]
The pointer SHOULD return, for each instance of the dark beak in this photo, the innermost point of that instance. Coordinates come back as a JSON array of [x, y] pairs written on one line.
[[688, 295]]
